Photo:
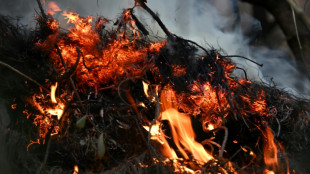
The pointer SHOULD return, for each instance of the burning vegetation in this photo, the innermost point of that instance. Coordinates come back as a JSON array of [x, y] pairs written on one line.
[[113, 99]]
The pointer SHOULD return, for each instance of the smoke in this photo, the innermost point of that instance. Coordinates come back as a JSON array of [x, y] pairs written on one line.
[[213, 24]]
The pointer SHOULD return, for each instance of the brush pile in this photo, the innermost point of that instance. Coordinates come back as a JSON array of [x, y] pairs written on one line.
[[114, 99]]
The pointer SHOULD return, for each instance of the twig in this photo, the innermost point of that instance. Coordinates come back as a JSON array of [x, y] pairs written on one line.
[[107, 87], [155, 17], [279, 127], [245, 74], [119, 91], [24, 75], [300, 13], [71, 80], [231, 56], [45, 157], [307, 22], [195, 44], [68, 73], [224, 141], [139, 24], [41, 9], [84, 63]]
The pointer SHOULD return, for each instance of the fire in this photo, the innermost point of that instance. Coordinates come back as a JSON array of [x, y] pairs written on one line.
[[53, 91], [182, 131], [210, 127], [76, 169], [258, 104], [45, 120], [113, 60], [145, 88], [99, 58], [52, 7], [58, 110], [270, 150]]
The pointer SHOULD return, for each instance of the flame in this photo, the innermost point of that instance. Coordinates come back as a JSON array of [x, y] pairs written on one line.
[[257, 105], [76, 169], [210, 127], [182, 132], [53, 91], [13, 106], [118, 58], [58, 110], [45, 120], [52, 7], [145, 88], [270, 150]]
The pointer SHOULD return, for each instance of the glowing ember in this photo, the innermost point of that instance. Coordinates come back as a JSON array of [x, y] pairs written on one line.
[[13, 106]]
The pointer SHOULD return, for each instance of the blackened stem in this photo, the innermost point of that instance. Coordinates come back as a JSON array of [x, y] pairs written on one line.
[[155, 17]]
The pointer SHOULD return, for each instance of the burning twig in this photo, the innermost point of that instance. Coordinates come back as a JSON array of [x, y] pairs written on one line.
[[71, 80], [221, 152], [139, 24], [69, 72]]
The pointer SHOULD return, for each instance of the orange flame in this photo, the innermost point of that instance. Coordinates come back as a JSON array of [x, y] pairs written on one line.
[[181, 128], [116, 59], [182, 131], [270, 150], [76, 169], [52, 7]]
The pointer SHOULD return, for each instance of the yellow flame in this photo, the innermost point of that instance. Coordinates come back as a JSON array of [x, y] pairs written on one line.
[[145, 88], [210, 127], [53, 91], [58, 110], [76, 169], [181, 128]]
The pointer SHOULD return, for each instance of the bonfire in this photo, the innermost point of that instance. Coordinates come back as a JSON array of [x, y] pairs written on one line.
[[110, 98]]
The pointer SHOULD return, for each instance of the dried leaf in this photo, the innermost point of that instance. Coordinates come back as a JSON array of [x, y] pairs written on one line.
[[101, 146], [81, 122]]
